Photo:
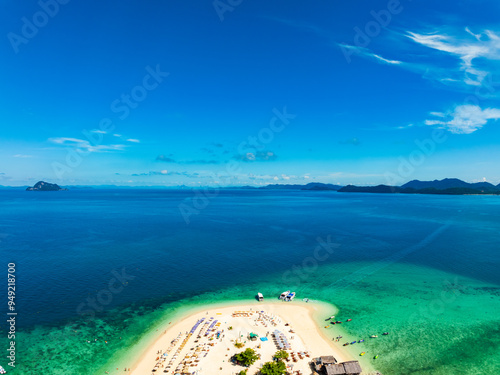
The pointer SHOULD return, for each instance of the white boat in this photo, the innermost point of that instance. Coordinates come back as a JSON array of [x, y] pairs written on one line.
[[260, 297], [284, 294], [290, 296]]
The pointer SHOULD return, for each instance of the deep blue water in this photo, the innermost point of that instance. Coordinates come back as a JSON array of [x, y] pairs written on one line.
[[66, 244]]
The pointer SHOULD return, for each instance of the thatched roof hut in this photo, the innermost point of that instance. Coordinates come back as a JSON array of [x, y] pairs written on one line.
[[343, 368]]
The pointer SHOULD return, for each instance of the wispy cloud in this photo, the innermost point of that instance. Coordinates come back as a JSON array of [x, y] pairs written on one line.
[[22, 156], [464, 119], [86, 145], [186, 174], [474, 56], [214, 148], [366, 53], [378, 57], [166, 173], [199, 161], [256, 156], [474, 50], [403, 126], [170, 159], [163, 172], [165, 159], [468, 49], [133, 140]]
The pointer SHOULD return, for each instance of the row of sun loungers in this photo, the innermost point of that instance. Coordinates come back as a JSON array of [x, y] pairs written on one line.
[[245, 314], [281, 341], [266, 319], [188, 364], [211, 328], [196, 325], [301, 355]]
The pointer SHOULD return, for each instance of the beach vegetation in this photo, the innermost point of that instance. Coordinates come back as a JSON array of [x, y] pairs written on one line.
[[243, 372], [273, 368], [230, 328], [247, 357], [281, 354], [239, 344]]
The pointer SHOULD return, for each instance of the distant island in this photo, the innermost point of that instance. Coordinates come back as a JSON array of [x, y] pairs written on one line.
[[309, 186], [447, 186], [45, 186]]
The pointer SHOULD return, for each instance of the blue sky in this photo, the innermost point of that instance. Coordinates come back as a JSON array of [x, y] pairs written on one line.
[[246, 92]]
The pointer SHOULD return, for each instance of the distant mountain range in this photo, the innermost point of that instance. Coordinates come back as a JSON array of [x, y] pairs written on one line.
[[450, 183], [309, 186], [448, 186]]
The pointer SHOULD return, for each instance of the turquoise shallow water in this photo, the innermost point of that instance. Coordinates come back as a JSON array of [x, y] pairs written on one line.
[[424, 268]]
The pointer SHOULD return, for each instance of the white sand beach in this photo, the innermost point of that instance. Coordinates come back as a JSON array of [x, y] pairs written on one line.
[[210, 346]]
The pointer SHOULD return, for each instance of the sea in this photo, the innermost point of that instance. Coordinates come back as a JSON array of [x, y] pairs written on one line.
[[99, 271]]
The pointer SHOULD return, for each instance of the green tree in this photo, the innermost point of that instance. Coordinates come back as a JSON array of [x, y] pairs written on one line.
[[281, 354], [248, 357], [273, 368], [243, 372]]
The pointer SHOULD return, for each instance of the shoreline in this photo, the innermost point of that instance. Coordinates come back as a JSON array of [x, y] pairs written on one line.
[[304, 317]]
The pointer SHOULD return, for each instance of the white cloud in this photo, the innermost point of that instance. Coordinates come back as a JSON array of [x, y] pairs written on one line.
[[365, 52], [256, 156], [404, 126], [98, 131], [22, 156], [86, 145], [477, 36], [117, 135], [438, 114], [466, 119], [476, 56], [485, 45], [133, 140], [386, 60]]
